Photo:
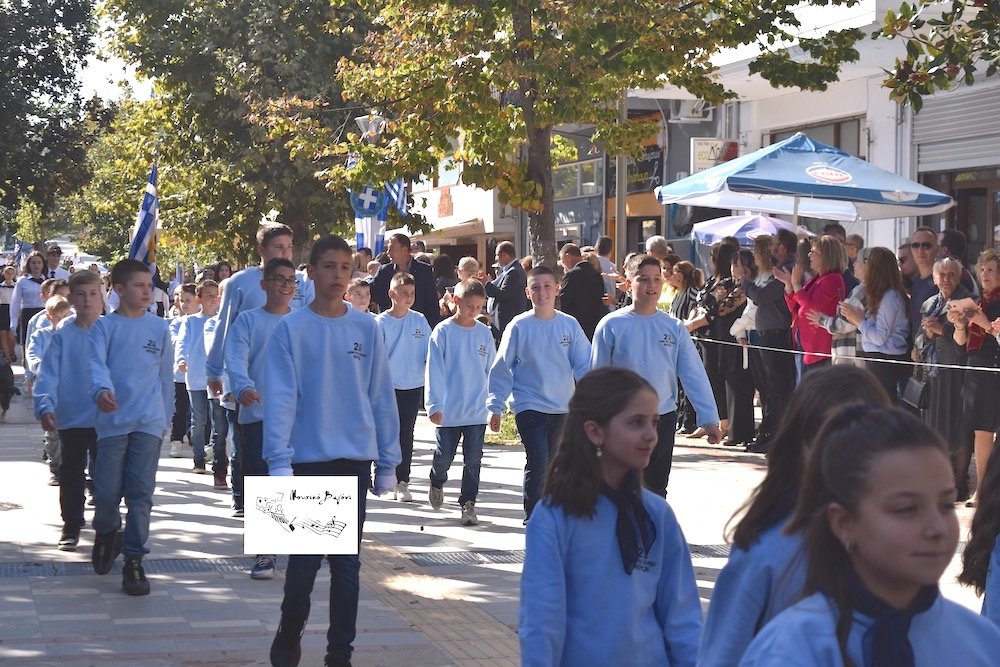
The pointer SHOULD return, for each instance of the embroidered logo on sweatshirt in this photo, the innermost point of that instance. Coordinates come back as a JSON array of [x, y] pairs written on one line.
[[357, 351], [481, 351], [565, 340], [418, 334], [668, 340], [151, 346]]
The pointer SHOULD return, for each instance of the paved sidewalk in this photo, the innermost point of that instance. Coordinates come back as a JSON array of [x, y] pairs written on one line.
[[434, 592]]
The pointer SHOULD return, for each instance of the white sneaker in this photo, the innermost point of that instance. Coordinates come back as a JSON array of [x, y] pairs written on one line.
[[176, 449], [469, 517], [402, 492], [209, 454]]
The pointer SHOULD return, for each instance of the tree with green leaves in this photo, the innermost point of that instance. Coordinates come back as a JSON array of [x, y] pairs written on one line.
[[945, 46], [215, 65], [43, 46], [495, 77]]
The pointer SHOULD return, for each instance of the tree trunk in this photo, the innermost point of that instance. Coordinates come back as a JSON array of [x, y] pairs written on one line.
[[541, 223]]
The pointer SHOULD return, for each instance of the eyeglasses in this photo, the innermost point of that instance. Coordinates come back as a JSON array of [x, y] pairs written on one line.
[[921, 245], [281, 281]]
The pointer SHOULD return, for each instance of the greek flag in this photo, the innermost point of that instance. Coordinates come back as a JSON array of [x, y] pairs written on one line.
[[397, 193], [143, 247]]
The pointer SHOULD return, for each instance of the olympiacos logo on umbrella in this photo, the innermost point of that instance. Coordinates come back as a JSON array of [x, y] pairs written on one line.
[[828, 174]]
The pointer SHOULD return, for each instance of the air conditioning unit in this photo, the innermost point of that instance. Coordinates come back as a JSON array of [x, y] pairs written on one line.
[[690, 111]]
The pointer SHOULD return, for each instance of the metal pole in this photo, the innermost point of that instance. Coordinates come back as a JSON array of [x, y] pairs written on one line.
[[621, 190]]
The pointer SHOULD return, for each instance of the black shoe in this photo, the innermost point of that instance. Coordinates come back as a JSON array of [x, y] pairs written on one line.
[[758, 447], [286, 649], [134, 578], [331, 661], [107, 546], [70, 538]]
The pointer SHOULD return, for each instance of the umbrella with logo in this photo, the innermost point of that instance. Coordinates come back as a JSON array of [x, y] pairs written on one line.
[[801, 176], [745, 228]]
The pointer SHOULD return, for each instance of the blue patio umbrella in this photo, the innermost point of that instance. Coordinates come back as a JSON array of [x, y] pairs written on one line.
[[801, 176], [745, 228]]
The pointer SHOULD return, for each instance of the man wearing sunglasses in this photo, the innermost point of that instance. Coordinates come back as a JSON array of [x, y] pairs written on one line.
[[923, 246]]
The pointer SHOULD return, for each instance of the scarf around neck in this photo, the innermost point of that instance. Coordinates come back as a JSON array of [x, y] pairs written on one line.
[[887, 643], [977, 334], [634, 527]]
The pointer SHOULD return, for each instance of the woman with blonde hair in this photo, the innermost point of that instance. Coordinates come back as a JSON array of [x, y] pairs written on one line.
[[822, 293]]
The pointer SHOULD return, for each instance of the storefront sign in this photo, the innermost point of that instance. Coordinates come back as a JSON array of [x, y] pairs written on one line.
[[706, 152], [643, 175]]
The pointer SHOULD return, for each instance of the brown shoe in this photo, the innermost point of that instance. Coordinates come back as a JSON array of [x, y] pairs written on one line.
[[220, 480]]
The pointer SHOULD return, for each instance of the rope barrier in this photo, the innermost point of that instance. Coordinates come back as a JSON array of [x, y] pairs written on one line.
[[827, 355]]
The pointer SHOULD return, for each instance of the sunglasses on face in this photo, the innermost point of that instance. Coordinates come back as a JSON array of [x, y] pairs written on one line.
[[921, 245]]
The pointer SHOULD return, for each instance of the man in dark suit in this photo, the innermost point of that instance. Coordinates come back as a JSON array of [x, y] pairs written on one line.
[[581, 293], [506, 293], [426, 300]]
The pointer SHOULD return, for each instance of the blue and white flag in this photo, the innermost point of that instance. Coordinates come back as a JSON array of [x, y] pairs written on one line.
[[143, 247], [371, 206]]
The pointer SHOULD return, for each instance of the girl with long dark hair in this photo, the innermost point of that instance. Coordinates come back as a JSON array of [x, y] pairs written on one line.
[[981, 557], [766, 569], [607, 575], [26, 300], [876, 509]]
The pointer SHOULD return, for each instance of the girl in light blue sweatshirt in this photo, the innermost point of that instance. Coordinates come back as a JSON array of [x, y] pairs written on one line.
[[766, 568], [876, 509], [607, 576], [981, 558]]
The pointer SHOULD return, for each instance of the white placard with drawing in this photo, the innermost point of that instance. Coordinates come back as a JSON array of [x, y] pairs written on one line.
[[300, 515]]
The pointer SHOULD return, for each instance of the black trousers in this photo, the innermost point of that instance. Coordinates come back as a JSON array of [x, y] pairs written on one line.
[[77, 444], [657, 473], [778, 376]]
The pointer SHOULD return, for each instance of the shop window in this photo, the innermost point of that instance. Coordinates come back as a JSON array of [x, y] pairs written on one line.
[[842, 134], [580, 179]]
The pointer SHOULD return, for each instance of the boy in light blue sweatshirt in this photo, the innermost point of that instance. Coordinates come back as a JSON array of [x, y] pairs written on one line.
[[542, 354], [245, 360], [62, 401], [186, 303], [132, 377], [406, 333], [458, 365], [51, 447], [329, 409], [658, 347], [190, 358]]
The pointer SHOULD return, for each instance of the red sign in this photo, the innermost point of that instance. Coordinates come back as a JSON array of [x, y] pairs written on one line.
[[827, 174]]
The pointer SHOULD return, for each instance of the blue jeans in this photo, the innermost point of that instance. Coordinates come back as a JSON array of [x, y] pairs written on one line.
[[540, 434], [300, 574], [126, 467], [220, 432], [472, 456], [199, 422], [408, 404]]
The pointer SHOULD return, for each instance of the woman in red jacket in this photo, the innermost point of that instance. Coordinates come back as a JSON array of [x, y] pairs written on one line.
[[821, 293]]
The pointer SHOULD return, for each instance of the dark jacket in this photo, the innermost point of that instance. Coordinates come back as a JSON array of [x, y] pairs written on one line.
[[426, 300], [507, 298], [581, 295]]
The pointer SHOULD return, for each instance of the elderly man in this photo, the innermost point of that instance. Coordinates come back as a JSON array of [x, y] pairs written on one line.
[[506, 293], [581, 293], [658, 247], [426, 299]]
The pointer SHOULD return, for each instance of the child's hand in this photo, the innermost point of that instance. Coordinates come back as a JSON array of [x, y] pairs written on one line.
[[182, 366], [215, 387], [437, 418], [714, 434], [249, 397], [48, 421], [494, 423], [106, 401], [384, 483]]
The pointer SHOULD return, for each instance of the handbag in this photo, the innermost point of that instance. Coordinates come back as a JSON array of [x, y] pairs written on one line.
[[916, 393]]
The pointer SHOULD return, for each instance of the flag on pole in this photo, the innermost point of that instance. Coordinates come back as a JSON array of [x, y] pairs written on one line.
[[397, 193], [371, 206], [143, 247]]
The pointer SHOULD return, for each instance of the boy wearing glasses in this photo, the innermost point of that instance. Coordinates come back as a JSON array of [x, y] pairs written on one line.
[[244, 357]]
